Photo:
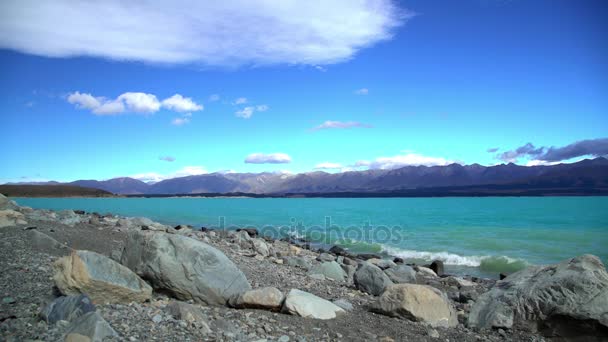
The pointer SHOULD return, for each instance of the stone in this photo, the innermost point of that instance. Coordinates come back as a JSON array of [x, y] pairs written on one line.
[[382, 263], [184, 267], [306, 304], [92, 326], [252, 232], [564, 300], [418, 303], [398, 260], [350, 272], [367, 256], [344, 304], [189, 313], [349, 261], [370, 278], [331, 270], [502, 276], [427, 272], [10, 218], [298, 262], [157, 319], [68, 217], [326, 257], [401, 274], [458, 282], [437, 267], [101, 278], [294, 250], [267, 298], [67, 308], [337, 250], [260, 247], [7, 204]]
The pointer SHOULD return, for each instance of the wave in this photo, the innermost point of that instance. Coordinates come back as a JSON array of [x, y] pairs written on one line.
[[486, 263]]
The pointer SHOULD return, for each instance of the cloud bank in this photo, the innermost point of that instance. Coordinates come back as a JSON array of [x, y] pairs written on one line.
[[134, 102], [408, 159], [215, 33], [341, 125], [544, 155], [272, 158]]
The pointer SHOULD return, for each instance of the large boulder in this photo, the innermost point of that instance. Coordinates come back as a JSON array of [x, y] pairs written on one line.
[[259, 246], [184, 267], [268, 298], [401, 274], [101, 278], [6, 203], [306, 304], [568, 299], [419, 303], [298, 262], [369, 278], [67, 308], [10, 218], [90, 327], [331, 270], [44, 243], [68, 217]]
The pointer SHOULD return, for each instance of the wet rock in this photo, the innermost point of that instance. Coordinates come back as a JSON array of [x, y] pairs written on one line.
[[370, 278], [305, 304], [419, 303], [367, 256], [185, 267], [437, 267], [502, 276], [90, 327], [67, 308], [566, 300], [101, 278], [401, 274], [267, 298], [337, 250]]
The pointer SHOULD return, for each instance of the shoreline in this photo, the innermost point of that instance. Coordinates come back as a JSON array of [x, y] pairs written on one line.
[[354, 285]]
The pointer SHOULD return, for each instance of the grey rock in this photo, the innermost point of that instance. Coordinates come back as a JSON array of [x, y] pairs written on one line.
[[267, 298], [566, 300], [401, 274], [67, 308], [350, 272], [68, 217], [369, 278], [259, 246], [326, 257], [92, 326], [382, 263], [419, 303], [185, 267], [437, 267], [9, 218], [331, 270], [306, 304], [46, 244], [157, 319], [295, 261], [7, 204], [189, 313], [344, 304], [101, 278]]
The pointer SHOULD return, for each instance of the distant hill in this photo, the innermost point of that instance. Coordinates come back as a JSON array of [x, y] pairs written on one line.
[[51, 191], [589, 176]]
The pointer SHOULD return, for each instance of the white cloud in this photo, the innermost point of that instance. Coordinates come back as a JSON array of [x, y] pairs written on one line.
[[224, 33], [360, 163], [362, 91], [240, 100], [183, 172], [261, 108], [320, 68], [179, 103], [140, 102], [409, 159], [341, 125], [272, 158], [134, 102], [167, 158], [180, 121], [245, 113], [214, 98], [327, 165]]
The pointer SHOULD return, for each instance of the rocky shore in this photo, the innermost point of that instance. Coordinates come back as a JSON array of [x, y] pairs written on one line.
[[77, 276]]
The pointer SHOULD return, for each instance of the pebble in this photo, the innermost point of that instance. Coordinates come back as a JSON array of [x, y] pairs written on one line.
[[284, 338], [157, 319]]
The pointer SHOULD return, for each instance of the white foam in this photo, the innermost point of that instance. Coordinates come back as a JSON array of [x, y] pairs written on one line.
[[446, 257]]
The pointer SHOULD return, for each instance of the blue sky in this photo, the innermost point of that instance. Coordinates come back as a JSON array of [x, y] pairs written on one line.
[[337, 85]]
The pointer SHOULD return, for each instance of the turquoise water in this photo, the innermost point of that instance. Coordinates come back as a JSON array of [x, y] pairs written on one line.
[[479, 236]]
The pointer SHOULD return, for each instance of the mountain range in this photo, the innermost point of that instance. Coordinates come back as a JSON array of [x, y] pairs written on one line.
[[588, 174]]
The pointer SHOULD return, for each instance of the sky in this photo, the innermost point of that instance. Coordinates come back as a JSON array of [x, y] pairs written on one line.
[[154, 90]]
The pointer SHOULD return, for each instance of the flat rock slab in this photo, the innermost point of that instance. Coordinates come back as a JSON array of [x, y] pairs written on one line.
[[101, 278], [329, 269], [67, 308], [419, 303], [306, 304], [184, 267]]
